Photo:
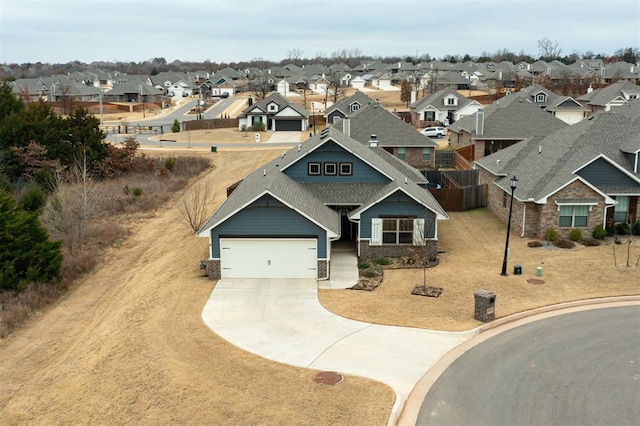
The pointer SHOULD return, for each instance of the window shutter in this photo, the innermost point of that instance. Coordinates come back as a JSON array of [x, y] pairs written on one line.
[[418, 232], [376, 232]]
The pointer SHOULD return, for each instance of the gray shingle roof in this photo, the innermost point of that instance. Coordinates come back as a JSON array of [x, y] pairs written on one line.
[[390, 129], [308, 198], [545, 165], [513, 118]]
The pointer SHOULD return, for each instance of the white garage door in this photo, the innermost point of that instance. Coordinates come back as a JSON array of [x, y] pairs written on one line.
[[268, 258]]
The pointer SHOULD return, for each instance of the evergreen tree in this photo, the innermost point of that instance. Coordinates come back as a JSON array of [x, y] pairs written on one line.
[[26, 254]]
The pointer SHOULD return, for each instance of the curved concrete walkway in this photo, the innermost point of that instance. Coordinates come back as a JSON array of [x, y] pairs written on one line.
[[283, 320]]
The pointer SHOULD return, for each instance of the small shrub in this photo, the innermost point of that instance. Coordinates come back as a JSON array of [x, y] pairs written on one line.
[[535, 243], [175, 128], [575, 235], [636, 228], [599, 232], [564, 244], [592, 242], [370, 273], [243, 128], [169, 163], [623, 228], [551, 234], [364, 265], [258, 127], [126, 190], [381, 261], [137, 192]]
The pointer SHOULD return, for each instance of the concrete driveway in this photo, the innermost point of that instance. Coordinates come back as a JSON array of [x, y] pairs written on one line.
[[283, 320]]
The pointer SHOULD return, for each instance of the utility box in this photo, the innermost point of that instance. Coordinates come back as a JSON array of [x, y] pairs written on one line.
[[517, 269], [485, 305], [214, 149]]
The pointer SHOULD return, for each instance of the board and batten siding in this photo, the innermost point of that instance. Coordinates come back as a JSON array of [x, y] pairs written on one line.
[[267, 217], [398, 204], [333, 153], [603, 173]]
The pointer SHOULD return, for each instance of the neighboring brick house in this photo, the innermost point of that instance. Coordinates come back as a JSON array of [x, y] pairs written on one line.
[[444, 106], [505, 122], [577, 177], [391, 134], [611, 96]]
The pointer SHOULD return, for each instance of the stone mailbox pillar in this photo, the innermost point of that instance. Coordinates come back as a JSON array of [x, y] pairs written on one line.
[[485, 305]]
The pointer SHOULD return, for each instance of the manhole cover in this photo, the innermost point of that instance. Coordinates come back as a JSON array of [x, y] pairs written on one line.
[[328, 378], [535, 281]]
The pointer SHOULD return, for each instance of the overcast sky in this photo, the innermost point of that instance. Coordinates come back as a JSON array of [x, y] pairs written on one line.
[[59, 31]]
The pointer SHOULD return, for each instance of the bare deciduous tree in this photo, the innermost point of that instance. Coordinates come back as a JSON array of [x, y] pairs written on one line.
[[195, 204], [549, 49]]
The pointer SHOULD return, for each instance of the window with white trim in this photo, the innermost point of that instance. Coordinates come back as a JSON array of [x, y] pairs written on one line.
[[429, 116], [313, 169], [354, 107], [330, 169], [346, 169], [621, 210], [426, 154], [541, 97], [573, 216], [401, 230], [272, 107], [397, 231]]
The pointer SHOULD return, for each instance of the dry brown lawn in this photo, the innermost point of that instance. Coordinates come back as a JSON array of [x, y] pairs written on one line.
[[473, 245], [128, 346]]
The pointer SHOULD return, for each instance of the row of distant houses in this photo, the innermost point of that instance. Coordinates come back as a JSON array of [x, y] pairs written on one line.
[[89, 85]]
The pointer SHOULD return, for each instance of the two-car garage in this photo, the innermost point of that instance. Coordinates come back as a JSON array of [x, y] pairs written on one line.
[[268, 257]]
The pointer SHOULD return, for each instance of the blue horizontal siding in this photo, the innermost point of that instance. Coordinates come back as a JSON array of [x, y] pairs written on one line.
[[398, 204], [268, 217], [602, 173], [334, 153]]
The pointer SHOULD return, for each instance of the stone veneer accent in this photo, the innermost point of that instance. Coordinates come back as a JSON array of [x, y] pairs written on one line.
[[430, 249], [213, 269], [323, 269], [540, 217]]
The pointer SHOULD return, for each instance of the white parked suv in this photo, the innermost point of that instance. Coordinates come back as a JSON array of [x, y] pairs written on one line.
[[434, 132]]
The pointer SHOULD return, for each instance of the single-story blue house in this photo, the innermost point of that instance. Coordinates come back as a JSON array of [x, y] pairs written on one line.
[[281, 220]]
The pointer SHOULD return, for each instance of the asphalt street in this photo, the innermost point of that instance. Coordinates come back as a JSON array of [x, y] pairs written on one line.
[[580, 368]]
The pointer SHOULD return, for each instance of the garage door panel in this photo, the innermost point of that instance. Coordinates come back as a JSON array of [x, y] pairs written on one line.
[[268, 258]]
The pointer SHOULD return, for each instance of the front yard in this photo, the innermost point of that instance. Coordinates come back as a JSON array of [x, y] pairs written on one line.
[[472, 245]]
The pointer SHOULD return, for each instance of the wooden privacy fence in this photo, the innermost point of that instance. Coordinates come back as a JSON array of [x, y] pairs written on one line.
[[458, 189], [444, 158], [207, 124]]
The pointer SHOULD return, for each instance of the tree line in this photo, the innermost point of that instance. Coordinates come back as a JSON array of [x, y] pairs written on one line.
[[548, 50]]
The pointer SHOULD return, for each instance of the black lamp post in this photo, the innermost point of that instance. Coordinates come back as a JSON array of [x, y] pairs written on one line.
[[513, 183]]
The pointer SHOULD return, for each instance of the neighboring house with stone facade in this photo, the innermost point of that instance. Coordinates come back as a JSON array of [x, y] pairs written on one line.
[[372, 121], [577, 177], [506, 122], [282, 220]]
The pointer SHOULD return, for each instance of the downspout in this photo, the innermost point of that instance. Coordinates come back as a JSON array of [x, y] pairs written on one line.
[[524, 215]]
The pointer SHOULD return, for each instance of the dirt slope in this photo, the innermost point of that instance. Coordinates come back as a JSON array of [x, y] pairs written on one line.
[[128, 346]]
